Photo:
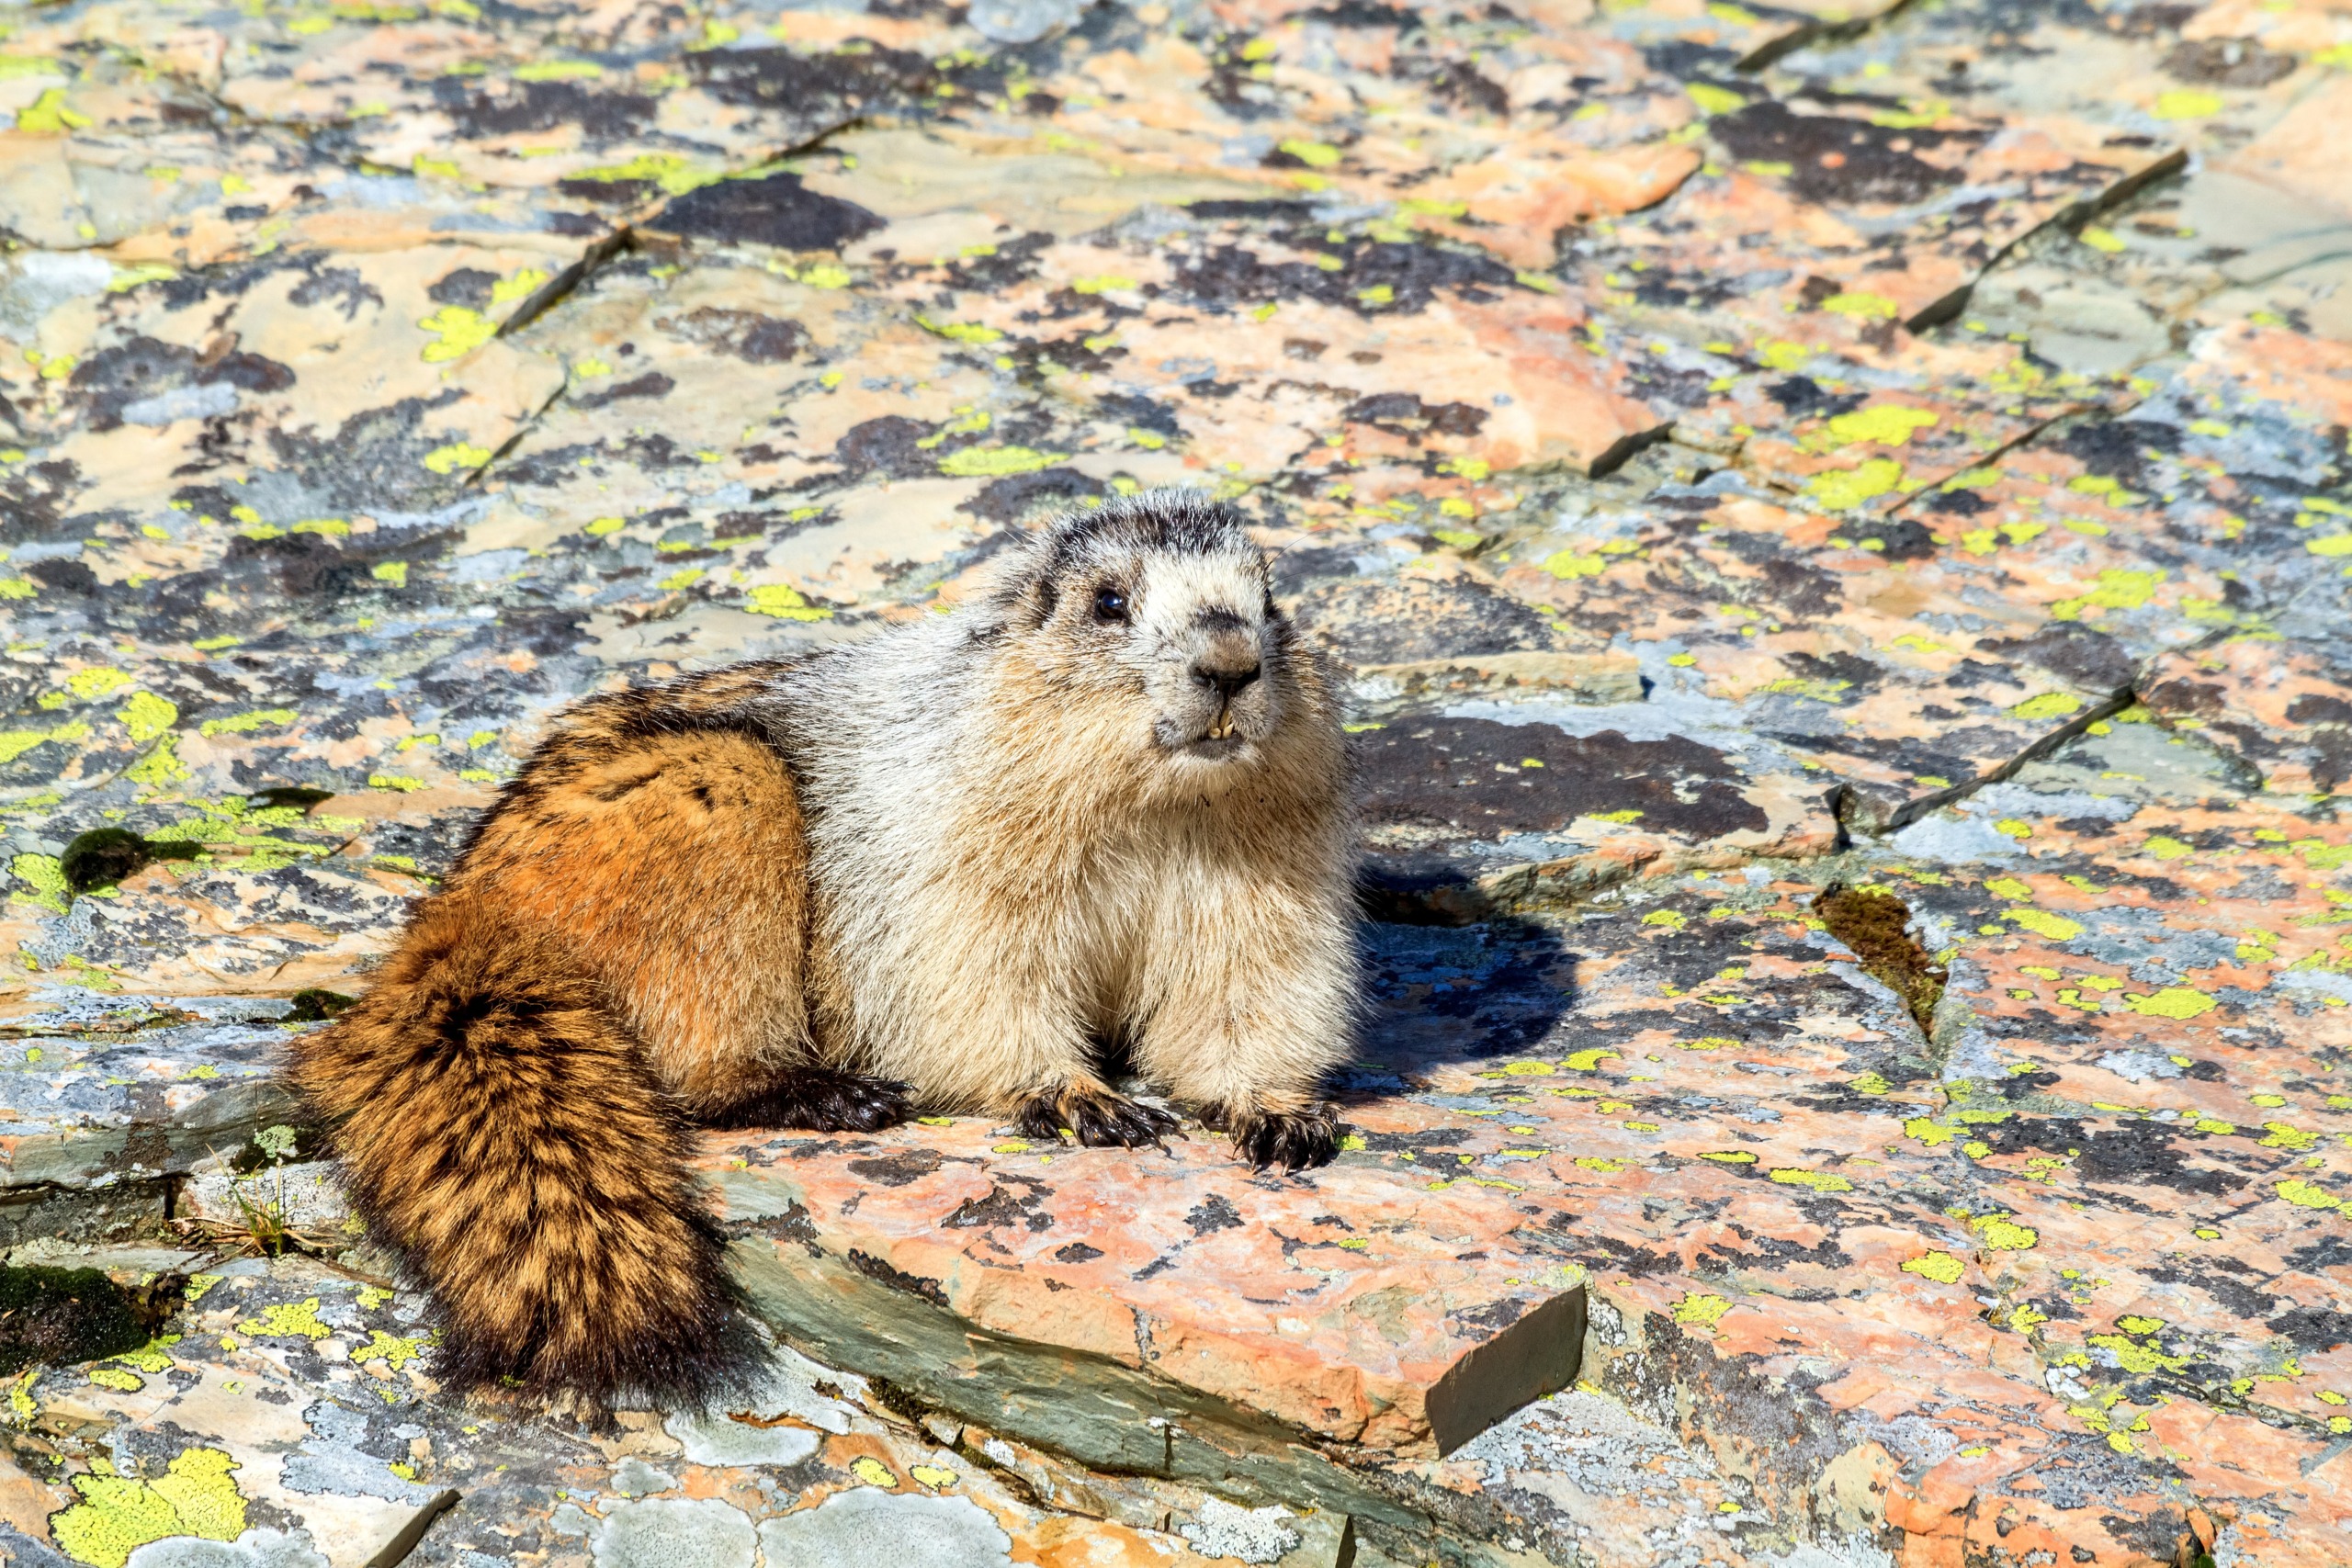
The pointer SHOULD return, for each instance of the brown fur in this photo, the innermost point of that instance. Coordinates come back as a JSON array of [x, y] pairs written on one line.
[[618, 952]]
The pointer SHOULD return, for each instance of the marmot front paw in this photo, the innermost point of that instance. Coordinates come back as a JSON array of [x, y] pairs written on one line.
[[824, 1099], [1096, 1117], [1287, 1140]]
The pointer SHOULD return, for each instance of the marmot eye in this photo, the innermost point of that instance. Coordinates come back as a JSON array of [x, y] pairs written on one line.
[[1110, 604]]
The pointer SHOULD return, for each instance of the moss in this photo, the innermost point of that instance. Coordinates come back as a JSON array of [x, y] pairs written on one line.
[[103, 856], [66, 1315], [1876, 925], [296, 796], [313, 1005]]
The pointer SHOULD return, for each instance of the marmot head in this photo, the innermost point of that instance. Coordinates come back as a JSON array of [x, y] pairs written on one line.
[[1152, 624]]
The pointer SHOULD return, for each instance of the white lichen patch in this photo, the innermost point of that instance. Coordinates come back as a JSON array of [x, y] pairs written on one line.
[[1252, 1535], [676, 1532], [855, 1529]]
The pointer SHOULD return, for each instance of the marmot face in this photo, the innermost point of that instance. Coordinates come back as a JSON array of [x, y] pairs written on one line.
[[1154, 620]]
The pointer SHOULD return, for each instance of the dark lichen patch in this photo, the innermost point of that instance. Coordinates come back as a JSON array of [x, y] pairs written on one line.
[[1477, 776], [2228, 63], [504, 107], [1018, 497], [813, 89], [749, 335], [2082, 654], [776, 210], [114, 379], [1876, 924], [1371, 621], [64, 1316], [1834, 159], [891, 445], [1352, 273], [898, 1168]]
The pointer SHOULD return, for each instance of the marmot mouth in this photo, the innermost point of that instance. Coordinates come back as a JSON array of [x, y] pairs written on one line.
[[1221, 726]]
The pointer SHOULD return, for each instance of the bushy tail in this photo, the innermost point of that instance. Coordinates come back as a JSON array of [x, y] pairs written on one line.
[[499, 1132]]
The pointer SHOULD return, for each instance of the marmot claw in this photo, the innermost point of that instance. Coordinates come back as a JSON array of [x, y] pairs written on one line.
[[1289, 1140], [1097, 1117]]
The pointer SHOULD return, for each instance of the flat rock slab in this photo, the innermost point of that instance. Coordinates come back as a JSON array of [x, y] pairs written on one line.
[[290, 1411], [108, 1101], [1807, 1225]]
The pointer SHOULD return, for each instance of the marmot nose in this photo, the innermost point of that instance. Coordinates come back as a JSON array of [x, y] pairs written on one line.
[[1227, 681]]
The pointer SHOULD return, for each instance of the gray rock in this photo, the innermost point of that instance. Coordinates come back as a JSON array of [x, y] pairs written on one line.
[[1024, 21], [2139, 1065], [215, 399]]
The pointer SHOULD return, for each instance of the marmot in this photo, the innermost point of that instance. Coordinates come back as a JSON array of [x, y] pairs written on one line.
[[940, 868]]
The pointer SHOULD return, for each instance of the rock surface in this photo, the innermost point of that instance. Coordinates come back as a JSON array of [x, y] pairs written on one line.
[[1743, 451]]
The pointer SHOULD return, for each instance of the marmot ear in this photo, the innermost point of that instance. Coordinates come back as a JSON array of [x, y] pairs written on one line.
[[1043, 595]]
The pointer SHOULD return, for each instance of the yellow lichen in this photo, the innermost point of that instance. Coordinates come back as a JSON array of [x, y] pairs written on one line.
[[196, 1496], [1889, 425], [1941, 1266], [1819, 1180], [288, 1317], [2043, 924], [1842, 490], [457, 331], [146, 716], [391, 1349], [2048, 705], [2306, 1194], [2133, 1357], [993, 462], [456, 454], [2173, 1001], [2002, 1233], [1701, 1309]]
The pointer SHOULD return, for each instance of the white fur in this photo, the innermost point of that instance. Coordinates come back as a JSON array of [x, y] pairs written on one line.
[[1022, 842]]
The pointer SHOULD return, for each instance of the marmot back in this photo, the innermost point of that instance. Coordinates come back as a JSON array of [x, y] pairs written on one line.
[[943, 868]]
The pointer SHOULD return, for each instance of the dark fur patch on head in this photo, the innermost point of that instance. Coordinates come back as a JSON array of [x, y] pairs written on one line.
[[1174, 521]]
